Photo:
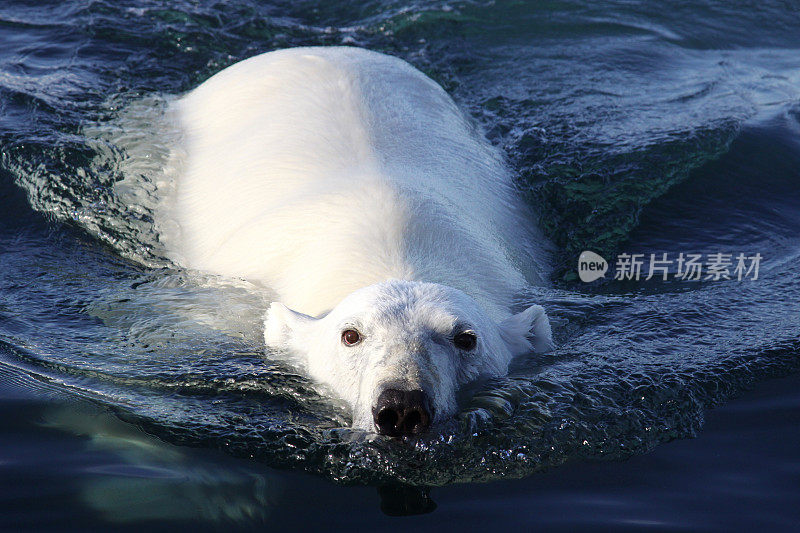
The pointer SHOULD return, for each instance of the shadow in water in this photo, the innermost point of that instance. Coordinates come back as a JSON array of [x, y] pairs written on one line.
[[405, 500]]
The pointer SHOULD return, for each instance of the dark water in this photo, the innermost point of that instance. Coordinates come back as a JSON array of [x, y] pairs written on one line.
[[134, 392]]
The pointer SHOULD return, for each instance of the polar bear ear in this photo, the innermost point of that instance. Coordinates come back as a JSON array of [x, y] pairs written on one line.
[[283, 327], [532, 322]]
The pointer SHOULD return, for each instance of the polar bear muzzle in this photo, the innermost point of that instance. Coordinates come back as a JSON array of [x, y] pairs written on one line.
[[399, 413]]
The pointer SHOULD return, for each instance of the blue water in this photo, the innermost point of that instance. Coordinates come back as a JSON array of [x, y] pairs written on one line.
[[137, 394]]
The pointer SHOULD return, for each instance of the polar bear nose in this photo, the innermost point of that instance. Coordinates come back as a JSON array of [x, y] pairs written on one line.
[[401, 413]]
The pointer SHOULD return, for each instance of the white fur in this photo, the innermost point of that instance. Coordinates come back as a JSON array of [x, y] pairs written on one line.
[[407, 331], [324, 172]]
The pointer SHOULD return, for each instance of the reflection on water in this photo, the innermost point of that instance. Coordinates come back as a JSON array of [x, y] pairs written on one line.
[[146, 479], [405, 500]]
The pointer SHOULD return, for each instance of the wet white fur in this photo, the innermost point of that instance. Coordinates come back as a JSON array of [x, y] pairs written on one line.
[[323, 171], [407, 331]]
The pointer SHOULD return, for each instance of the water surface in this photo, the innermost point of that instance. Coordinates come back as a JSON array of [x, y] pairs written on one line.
[[631, 127]]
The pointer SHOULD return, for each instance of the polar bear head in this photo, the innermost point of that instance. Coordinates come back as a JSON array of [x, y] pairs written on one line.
[[398, 351]]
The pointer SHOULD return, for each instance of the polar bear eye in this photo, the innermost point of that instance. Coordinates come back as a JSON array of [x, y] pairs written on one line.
[[466, 340], [350, 337]]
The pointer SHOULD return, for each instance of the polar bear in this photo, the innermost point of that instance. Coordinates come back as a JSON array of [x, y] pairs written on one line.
[[350, 184]]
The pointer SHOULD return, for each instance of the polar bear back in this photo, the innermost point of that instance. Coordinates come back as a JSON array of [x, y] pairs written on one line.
[[318, 171]]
